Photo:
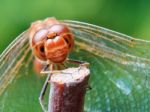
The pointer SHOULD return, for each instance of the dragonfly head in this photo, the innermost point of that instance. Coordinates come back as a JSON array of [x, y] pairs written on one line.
[[52, 43]]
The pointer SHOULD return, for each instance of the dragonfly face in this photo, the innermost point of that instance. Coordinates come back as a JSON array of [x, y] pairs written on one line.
[[51, 42]]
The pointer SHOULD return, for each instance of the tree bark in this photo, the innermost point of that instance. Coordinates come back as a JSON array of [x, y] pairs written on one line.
[[68, 89]]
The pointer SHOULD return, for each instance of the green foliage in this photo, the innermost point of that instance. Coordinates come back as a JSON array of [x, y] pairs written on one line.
[[128, 17]]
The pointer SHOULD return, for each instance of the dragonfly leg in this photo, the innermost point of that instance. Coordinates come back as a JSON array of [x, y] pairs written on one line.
[[63, 65], [77, 62], [46, 70], [42, 93]]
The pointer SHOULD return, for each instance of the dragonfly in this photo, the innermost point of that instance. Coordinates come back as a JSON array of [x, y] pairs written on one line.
[[51, 41], [119, 64]]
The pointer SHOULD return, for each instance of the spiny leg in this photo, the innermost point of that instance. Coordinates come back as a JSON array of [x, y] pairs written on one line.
[[46, 70], [77, 62], [58, 67], [42, 93], [62, 66]]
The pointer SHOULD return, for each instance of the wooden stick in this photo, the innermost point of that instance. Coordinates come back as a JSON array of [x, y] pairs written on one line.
[[68, 90]]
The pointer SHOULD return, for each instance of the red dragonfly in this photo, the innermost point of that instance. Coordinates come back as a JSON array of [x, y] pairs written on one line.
[[122, 61], [51, 41]]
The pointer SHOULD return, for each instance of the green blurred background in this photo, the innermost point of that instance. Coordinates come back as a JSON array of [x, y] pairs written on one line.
[[131, 17]]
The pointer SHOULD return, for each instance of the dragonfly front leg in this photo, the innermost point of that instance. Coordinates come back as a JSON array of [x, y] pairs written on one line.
[[77, 62], [41, 97], [46, 70]]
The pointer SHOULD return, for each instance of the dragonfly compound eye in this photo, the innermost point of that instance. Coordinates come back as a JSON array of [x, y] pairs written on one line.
[[37, 44]]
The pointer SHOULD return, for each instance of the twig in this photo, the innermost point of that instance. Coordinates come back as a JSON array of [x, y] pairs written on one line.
[[68, 90]]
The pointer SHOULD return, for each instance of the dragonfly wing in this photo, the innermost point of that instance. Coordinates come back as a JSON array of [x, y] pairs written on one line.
[[13, 58], [120, 67]]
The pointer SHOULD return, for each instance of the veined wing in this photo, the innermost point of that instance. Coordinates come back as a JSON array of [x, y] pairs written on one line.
[[120, 67], [13, 58]]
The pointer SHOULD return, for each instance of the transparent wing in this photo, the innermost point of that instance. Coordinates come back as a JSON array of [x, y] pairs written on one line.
[[120, 68], [119, 71], [19, 85], [13, 58]]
